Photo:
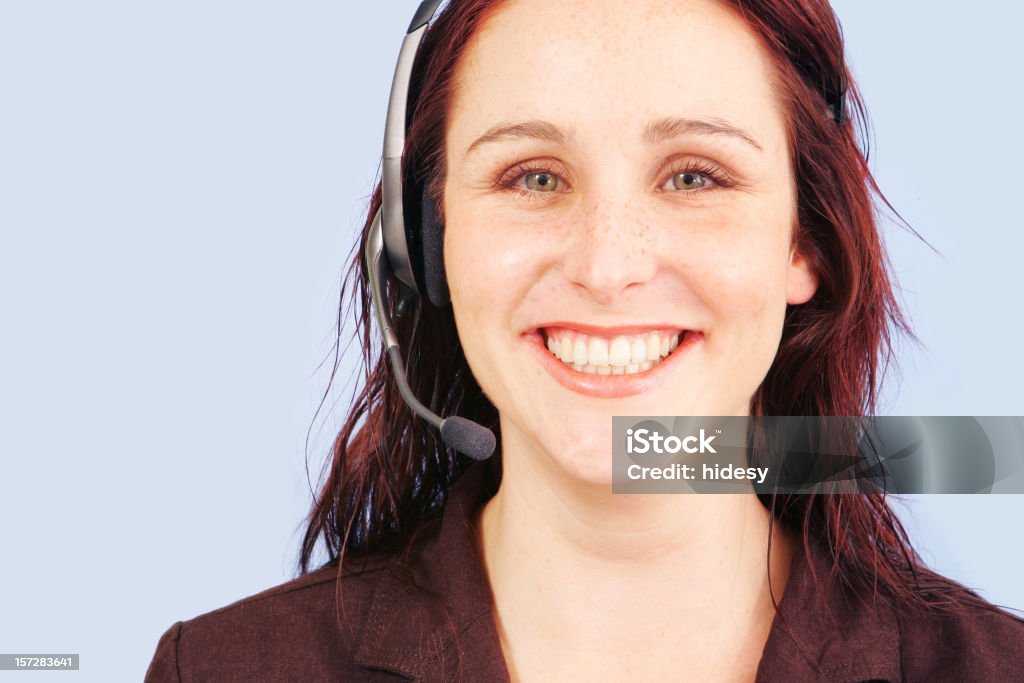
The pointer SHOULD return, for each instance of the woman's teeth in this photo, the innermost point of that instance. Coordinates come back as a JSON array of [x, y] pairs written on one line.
[[622, 355]]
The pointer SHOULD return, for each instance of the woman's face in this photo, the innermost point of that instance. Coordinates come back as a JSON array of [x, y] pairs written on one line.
[[618, 187]]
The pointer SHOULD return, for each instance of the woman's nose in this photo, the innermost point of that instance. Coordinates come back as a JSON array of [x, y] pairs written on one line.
[[612, 250]]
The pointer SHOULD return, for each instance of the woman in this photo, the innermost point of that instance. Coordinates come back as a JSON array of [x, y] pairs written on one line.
[[654, 211]]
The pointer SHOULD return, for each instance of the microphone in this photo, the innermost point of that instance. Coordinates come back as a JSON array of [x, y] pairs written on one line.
[[465, 436], [468, 437]]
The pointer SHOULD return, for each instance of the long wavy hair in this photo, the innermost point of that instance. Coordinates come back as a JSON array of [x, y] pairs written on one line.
[[389, 472]]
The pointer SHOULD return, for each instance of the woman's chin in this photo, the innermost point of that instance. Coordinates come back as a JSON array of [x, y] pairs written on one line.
[[586, 471], [585, 461]]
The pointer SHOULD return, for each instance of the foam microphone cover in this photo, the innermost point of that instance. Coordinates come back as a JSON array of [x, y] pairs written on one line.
[[468, 437], [433, 253]]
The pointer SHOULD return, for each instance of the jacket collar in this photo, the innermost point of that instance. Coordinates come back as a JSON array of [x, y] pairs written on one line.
[[834, 637], [824, 632], [408, 631]]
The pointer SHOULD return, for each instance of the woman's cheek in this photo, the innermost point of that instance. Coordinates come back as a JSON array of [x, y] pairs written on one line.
[[744, 291]]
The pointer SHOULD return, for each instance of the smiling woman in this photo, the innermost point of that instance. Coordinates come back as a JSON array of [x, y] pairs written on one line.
[[595, 208]]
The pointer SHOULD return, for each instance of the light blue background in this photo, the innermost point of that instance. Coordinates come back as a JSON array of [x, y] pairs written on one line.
[[179, 186]]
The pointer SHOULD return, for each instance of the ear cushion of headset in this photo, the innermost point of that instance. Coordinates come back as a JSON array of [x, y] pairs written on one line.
[[433, 253]]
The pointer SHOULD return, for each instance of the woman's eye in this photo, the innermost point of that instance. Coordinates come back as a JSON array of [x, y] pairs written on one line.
[[690, 180], [541, 182]]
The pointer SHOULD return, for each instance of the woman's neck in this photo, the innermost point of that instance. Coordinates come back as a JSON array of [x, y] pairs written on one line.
[[580, 574]]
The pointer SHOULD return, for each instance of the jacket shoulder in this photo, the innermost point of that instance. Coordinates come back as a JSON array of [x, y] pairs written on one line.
[[305, 629], [973, 643]]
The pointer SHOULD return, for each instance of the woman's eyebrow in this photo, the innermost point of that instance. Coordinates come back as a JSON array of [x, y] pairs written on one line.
[[533, 130], [655, 132], [674, 126]]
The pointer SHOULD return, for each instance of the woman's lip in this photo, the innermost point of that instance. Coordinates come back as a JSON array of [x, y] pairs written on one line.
[[594, 331], [610, 386]]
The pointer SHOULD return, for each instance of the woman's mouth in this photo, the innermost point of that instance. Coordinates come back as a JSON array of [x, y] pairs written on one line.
[[617, 355], [610, 363]]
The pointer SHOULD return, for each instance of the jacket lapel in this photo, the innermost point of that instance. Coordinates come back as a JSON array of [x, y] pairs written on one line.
[[833, 636], [425, 613]]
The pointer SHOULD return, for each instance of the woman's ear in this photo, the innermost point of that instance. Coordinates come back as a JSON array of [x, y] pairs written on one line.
[[801, 280]]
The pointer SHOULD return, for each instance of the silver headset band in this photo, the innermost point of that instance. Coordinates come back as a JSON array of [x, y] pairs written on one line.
[[378, 281], [393, 215]]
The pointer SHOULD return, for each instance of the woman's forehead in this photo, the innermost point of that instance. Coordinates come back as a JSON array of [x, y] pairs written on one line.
[[604, 65]]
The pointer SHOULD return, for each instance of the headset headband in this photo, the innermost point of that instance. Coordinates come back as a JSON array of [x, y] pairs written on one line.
[[402, 241]]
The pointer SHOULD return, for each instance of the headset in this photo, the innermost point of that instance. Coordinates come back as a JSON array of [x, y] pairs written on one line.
[[411, 249], [409, 244]]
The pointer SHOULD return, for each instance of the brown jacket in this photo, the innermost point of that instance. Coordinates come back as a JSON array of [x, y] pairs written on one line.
[[386, 631]]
